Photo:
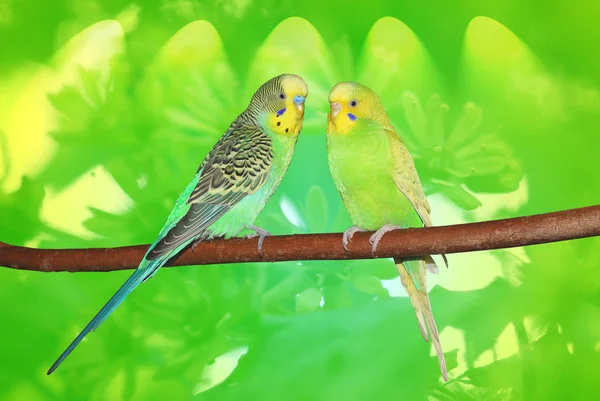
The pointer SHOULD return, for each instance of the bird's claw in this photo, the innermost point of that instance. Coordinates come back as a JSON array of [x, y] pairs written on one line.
[[261, 234], [347, 236], [196, 242], [375, 238]]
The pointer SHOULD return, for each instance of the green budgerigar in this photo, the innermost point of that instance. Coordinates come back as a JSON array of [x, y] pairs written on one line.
[[230, 188], [377, 180]]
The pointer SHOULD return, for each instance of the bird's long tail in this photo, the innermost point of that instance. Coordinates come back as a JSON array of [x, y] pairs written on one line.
[[412, 275], [138, 276]]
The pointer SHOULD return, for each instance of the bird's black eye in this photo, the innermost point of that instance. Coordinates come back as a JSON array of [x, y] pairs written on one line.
[[353, 103], [282, 95]]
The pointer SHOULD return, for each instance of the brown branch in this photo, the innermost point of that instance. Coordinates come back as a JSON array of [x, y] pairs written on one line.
[[520, 231]]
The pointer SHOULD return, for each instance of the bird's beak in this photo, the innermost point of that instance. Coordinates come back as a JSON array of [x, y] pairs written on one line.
[[336, 107], [299, 102]]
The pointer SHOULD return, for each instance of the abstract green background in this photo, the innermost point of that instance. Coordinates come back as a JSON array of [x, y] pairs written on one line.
[[107, 108]]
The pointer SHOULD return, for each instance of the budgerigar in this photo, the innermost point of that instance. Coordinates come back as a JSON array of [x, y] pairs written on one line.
[[230, 188], [377, 180]]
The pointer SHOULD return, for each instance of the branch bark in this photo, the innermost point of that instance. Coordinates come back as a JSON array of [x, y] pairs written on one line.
[[408, 243]]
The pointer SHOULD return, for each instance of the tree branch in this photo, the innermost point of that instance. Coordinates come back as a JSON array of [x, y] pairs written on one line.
[[412, 242]]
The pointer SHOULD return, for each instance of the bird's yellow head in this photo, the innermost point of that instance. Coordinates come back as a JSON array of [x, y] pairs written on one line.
[[279, 104], [352, 103]]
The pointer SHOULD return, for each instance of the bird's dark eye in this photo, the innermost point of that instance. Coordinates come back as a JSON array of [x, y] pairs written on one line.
[[353, 103], [282, 95]]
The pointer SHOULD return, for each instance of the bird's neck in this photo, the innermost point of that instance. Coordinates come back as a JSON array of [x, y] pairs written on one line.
[[248, 118]]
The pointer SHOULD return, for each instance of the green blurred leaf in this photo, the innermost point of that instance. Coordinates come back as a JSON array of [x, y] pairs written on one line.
[[308, 300], [466, 126], [336, 295], [316, 210], [461, 197], [369, 284], [20, 212]]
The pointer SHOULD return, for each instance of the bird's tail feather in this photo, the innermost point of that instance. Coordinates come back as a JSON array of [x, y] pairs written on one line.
[[420, 302], [138, 276], [415, 299]]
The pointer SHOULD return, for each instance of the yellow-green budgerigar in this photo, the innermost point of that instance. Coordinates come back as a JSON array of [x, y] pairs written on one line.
[[230, 188], [377, 180]]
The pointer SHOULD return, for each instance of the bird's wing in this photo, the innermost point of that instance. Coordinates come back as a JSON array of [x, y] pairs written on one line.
[[406, 178], [238, 165]]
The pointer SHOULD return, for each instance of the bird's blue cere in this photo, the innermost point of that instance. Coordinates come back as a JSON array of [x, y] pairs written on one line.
[[351, 116], [299, 99], [280, 112]]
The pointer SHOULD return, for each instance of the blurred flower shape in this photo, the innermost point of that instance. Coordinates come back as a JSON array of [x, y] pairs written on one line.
[[462, 158]]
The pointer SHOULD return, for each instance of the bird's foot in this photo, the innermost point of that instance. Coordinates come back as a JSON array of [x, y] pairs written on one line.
[[375, 238], [196, 242], [348, 234], [261, 234]]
